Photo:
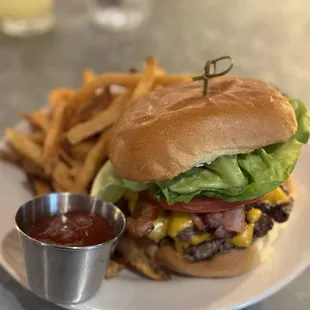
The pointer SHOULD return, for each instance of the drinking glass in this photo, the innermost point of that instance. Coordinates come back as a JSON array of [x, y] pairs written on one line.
[[118, 15], [25, 18]]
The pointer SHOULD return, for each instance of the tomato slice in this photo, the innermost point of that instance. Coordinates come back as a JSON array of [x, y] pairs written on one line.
[[203, 205]]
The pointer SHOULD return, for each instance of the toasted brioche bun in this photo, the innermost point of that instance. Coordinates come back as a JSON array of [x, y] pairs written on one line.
[[229, 264], [175, 128]]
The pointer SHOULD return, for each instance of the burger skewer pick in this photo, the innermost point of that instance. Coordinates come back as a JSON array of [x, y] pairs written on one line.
[[207, 75], [204, 180]]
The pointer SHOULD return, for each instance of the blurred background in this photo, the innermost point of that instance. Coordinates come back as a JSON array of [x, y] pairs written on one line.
[[46, 44]]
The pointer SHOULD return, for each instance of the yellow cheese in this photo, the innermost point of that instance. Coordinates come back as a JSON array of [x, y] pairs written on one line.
[[178, 222], [275, 197], [132, 198], [245, 238], [197, 239], [253, 215], [160, 229]]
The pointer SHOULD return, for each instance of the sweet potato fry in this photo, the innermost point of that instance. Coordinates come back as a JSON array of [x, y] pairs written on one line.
[[113, 269], [54, 137], [139, 260], [37, 119], [93, 162], [88, 76], [25, 146], [99, 122]]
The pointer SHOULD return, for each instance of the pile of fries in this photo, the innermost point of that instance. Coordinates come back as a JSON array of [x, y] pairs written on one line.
[[67, 144], [68, 141]]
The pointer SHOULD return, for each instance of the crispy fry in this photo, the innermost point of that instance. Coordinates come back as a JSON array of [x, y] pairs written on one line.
[[98, 123], [25, 146], [88, 76], [54, 137], [38, 119], [79, 151], [37, 137], [11, 156], [33, 169], [87, 92], [139, 260], [99, 103], [93, 162], [34, 152], [40, 186], [61, 95], [57, 187], [70, 161], [61, 175], [113, 269], [75, 171], [147, 81]]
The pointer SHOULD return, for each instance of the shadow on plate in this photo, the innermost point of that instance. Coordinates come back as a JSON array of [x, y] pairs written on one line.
[[12, 254]]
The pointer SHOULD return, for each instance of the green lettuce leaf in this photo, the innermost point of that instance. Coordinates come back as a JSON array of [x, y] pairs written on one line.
[[243, 176]]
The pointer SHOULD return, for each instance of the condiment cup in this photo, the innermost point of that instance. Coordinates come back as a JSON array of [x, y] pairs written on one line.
[[64, 274]]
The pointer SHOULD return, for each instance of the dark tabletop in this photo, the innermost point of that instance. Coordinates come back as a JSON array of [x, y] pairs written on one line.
[[267, 39]]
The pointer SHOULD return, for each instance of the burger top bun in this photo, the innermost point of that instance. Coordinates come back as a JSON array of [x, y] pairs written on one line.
[[176, 128]]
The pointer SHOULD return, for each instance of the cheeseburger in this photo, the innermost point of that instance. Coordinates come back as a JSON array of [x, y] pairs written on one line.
[[206, 179]]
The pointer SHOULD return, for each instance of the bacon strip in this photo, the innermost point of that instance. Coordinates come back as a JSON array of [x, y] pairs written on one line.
[[141, 223], [234, 220]]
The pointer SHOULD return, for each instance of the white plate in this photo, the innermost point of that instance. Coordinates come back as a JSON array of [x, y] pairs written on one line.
[[128, 291]]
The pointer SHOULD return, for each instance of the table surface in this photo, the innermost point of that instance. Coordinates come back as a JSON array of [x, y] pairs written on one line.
[[270, 42]]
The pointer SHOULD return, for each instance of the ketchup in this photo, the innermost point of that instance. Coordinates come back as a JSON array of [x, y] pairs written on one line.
[[75, 228]]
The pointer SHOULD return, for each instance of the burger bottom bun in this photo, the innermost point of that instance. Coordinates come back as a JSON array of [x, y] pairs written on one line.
[[229, 264]]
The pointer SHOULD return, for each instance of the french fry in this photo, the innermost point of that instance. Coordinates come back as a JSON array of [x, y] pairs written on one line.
[[25, 146], [54, 137], [34, 152], [70, 161], [11, 156], [97, 104], [88, 76], [139, 260], [87, 92], [58, 95], [113, 269], [57, 187], [61, 175], [75, 171], [79, 151], [98, 123], [147, 81], [39, 186], [38, 119], [93, 162], [37, 137], [33, 169]]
